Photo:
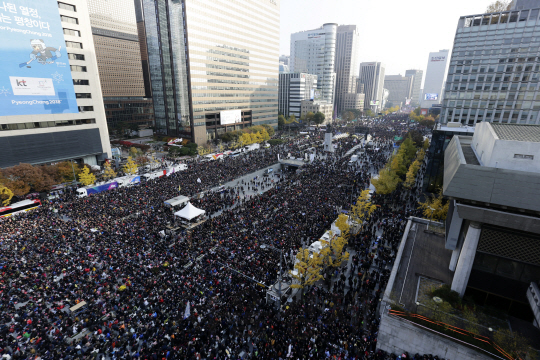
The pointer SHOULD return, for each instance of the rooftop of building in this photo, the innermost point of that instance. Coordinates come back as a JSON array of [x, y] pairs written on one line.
[[517, 132], [422, 260]]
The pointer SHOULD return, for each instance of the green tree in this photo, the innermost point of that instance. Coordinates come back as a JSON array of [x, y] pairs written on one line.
[[398, 164], [130, 168], [5, 195], [472, 321], [86, 177], [370, 113], [387, 182], [434, 207], [514, 343], [108, 172], [425, 145], [309, 117], [281, 121], [318, 118]]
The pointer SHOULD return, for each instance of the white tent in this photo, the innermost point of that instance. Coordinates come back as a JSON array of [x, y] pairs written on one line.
[[189, 212]]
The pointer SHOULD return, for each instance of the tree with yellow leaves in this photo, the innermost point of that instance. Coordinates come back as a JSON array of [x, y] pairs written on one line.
[[307, 269], [108, 172], [398, 164], [333, 252], [86, 177], [130, 168], [387, 181], [434, 207], [425, 146], [363, 208], [5, 195], [410, 179], [264, 135], [245, 139]]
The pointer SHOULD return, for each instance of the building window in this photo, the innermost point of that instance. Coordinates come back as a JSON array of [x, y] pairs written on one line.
[[83, 95], [75, 45], [72, 33], [67, 7], [80, 82], [78, 68], [521, 156], [86, 108], [75, 56], [45, 124], [70, 20]]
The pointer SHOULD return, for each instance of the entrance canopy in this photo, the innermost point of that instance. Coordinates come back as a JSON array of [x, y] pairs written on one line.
[[189, 212], [176, 201]]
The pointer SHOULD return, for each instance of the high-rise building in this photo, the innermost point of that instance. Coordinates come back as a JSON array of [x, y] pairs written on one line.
[[313, 52], [435, 74], [212, 64], [315, 107], [493, 72], [346, 63], [353, 101], [293, 88], [400, 88], [51, 108], [372, 76], [116, 40], [417, 84], [285, 59]]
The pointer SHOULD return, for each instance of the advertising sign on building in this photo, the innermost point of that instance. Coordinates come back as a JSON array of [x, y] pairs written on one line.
[[230, 117], [318, 95], [423, 111], [312, 94], [35, 76], [431, 97], [438, 58], [374, 103]]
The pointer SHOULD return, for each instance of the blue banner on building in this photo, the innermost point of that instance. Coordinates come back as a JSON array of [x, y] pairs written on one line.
[[35, 76]]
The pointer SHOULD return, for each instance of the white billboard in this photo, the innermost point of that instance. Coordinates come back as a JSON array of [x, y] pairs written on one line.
[[374, 102], [431, 97], [230, 117]]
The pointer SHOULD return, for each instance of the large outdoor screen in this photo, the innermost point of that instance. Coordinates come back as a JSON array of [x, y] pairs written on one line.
[[230, 117], [431, 97], [35, 76], [374, 102]]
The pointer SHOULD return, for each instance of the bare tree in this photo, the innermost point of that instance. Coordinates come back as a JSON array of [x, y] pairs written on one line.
[[498, 6]]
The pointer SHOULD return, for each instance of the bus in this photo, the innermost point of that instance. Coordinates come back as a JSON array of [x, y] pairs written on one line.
[[21, 206]]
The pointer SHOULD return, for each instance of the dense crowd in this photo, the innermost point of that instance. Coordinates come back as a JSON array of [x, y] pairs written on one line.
[[191, 294]]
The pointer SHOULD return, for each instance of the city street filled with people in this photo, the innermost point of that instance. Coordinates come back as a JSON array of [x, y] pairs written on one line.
[[149, 289]]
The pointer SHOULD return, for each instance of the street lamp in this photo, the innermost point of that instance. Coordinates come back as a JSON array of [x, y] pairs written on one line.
[[263, 246]]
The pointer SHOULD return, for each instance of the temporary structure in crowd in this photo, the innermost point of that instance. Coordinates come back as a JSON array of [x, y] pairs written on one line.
[[189, 212]]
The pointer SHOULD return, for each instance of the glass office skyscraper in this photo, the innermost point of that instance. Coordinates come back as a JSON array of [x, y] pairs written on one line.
[[207, 58], [494, 69]]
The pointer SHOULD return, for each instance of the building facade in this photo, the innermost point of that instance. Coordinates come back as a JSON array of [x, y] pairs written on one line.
[[353, 101], [314, 52], [400, 89], [493, 73], [116, 40], [372, 76], [417, 75], [315, 107], [435, 75], [293, 88], [346, 63], [208, 58], [57, 132]]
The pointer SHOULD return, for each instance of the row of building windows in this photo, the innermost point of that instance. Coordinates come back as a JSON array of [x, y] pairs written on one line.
[[46, 124], [80, 82], [69, 19], [74, 45], [78, 68], [491, 69], [75, 56], [83, 95], [72, 32]]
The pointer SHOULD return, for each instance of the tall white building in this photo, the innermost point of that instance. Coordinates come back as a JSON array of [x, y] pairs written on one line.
[[313, 52], [62, 115], [346, 63], [435, 76], [293, 88], [417, 84], [372, 76]]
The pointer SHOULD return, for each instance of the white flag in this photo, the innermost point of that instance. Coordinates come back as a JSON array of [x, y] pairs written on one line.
[[199, 180], [186, 313]]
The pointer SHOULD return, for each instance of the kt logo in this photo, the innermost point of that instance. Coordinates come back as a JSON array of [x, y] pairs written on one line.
[[21, 83]]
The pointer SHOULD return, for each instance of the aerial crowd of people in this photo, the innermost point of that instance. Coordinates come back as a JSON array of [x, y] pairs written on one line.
[[145, 293]]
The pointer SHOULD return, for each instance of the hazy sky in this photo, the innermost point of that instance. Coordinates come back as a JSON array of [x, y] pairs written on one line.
[[399, 33]]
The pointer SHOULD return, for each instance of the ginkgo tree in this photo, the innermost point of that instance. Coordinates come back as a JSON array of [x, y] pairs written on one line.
[[108, 172], [130, 168], [307, 269], [86, 177], [434, 207], [363, 208], [5, 195]]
